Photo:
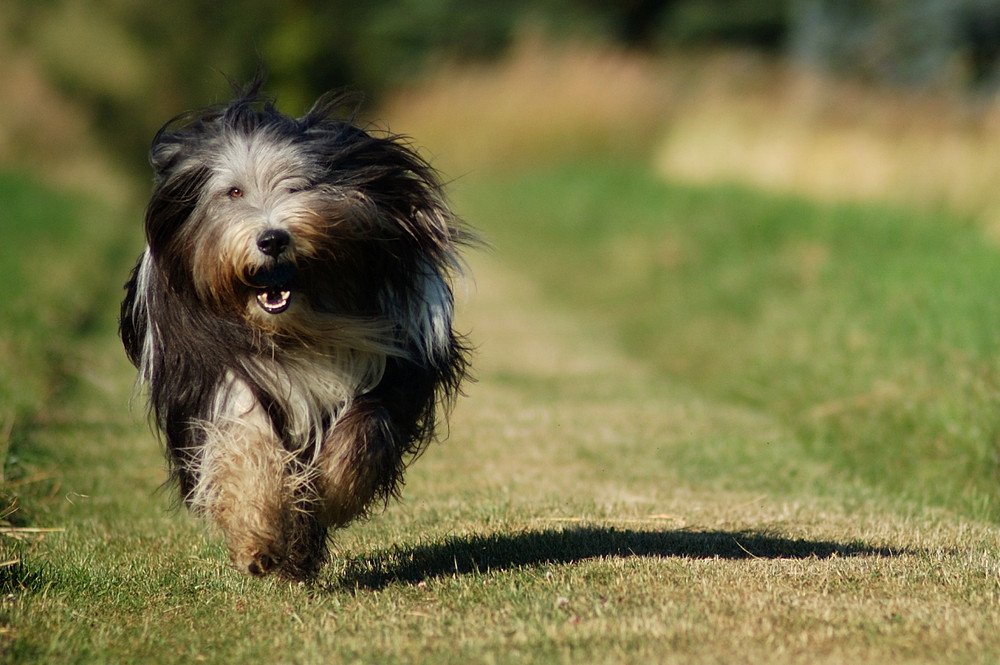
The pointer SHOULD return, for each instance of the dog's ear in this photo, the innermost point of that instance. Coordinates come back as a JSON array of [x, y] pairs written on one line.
[[173, 201], [165, 152], [178, 143]]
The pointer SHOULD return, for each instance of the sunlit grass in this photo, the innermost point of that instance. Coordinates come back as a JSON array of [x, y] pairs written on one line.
[[870, 331], [711, 425], [582, 509], [55, 248], [870, 328]]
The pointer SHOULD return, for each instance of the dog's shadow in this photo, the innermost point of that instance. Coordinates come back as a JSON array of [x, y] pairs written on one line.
[[462, 555]]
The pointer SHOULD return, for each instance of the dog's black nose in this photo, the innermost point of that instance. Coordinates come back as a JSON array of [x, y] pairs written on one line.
[[273, 242]]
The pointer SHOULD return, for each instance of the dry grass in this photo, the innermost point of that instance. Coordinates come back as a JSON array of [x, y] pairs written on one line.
[[540, 103], [786, 129], [710, 118]]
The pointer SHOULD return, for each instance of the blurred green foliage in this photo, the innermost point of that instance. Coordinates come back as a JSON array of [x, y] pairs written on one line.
[[132, 64]]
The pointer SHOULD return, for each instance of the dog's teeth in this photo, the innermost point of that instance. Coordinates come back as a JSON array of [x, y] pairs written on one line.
[[274, 301]]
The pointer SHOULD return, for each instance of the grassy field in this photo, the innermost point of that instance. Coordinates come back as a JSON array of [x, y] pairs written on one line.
[[870, 333], [710, 426]]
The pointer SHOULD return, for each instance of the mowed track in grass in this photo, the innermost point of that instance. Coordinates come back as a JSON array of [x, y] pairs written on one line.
[[592, 503], [872, 333]]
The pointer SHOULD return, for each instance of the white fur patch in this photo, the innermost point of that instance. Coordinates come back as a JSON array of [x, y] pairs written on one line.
[[313, 391], [435, 316], [140, 311]]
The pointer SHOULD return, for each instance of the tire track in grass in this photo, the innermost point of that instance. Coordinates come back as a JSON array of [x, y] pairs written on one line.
[[560, 411]]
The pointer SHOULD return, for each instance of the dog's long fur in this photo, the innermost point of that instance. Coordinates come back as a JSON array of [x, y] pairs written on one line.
[[292, 317]]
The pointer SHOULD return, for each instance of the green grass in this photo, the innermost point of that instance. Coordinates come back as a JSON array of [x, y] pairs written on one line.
[[625, 483], [872, 332], [37, 227], [54, 254]]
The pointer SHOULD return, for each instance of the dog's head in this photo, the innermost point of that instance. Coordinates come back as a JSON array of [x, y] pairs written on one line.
[[283, 221]]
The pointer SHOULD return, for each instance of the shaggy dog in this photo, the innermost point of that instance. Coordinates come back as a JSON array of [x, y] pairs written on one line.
[[292, 317]]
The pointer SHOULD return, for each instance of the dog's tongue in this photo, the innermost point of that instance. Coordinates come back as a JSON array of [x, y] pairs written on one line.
[[274, 301]]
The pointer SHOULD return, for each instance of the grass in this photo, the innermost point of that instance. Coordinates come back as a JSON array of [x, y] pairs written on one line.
[[871, 332], [711, 424], [620, 485], [736, 116], [51, 301]]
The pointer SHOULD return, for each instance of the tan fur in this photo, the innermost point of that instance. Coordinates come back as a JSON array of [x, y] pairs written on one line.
[[253, 486], [245, 490], [350, 467]]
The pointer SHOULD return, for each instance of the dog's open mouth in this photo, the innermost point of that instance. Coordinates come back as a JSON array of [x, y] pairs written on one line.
[[274, 291], [274, 301]]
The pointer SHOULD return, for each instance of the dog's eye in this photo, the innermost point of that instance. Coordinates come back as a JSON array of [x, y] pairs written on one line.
[[235, 193]]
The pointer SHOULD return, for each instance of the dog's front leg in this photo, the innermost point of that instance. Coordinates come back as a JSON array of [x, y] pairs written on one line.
[[243, 487], [360, 462]]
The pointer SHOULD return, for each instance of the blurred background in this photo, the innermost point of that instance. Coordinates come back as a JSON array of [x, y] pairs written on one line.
[[863, 97], [673, 171]]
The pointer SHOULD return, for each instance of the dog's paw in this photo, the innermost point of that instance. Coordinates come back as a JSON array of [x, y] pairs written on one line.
[[297, 552], [256, 560], [260, 565]]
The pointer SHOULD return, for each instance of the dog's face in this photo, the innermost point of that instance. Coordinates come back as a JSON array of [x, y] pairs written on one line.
[[261, 216], [284, 223], [258, 216]]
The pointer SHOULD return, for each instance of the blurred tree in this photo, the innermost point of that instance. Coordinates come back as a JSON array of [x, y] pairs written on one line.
[[978, 33], [757, 23], [939, 43], [136, 63]]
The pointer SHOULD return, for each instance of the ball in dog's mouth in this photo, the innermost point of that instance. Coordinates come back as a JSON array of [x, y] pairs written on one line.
[[274, 293]]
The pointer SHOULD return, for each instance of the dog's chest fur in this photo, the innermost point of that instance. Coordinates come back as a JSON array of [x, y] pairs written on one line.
[[303, 393]]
